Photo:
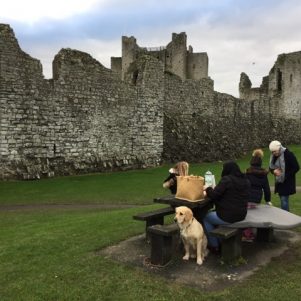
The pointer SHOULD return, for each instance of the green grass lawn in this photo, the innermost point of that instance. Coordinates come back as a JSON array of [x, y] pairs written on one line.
[[129, 187], [53, 255]]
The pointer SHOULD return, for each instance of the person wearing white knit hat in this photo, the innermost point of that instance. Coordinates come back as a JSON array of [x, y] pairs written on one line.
[[274, 146], [284, 166]]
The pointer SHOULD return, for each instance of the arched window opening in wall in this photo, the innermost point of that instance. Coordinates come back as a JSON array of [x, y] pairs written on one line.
[[279, 80], [135, 76], [291, 79]]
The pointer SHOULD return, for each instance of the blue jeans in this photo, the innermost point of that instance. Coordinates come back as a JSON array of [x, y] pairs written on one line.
[[284, 202], [210, 221]]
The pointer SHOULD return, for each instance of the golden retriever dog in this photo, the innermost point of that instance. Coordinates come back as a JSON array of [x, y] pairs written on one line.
[[192, 234]]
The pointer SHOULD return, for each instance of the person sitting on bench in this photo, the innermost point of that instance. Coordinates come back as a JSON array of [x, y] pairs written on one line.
[[230, 197], [180, 169]]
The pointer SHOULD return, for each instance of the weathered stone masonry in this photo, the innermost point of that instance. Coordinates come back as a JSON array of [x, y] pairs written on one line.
[[215, 126], [89, 118], [85, 119]]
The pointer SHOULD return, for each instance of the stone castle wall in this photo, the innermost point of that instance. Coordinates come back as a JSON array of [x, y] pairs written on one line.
[[197, 65], [289, 85], [283, 83], [201, 124], [86, 119]]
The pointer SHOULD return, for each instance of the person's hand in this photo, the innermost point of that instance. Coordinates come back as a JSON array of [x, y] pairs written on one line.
[[204, 193], [166, 184], [172, 170], [277, 172], [269, 203]]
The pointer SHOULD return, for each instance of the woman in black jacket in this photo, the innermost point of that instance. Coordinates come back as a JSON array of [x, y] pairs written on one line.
[[230, 197], [284, 166]]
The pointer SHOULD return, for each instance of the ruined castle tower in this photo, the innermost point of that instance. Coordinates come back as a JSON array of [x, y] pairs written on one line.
[[282, 84], [177, 59]]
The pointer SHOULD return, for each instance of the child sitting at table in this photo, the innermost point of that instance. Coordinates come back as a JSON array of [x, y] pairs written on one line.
[[180, 169]]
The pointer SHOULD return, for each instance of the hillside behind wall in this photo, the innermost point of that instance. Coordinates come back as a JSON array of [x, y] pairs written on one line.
[[83, 120], [203, 125]]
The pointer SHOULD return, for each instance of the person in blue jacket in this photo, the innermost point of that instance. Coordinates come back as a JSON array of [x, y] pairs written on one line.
[[284, 166]]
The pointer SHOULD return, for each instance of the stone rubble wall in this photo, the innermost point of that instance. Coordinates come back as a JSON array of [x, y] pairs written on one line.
[[84, 120], [203, 125]]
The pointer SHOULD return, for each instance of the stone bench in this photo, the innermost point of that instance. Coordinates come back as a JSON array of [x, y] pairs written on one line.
[[154, 217], [230, 239], [164, 241]]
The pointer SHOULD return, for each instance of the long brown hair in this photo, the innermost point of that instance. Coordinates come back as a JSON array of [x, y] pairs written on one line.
[[182, 168]]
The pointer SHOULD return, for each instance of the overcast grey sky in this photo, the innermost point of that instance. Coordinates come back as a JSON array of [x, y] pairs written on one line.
[[238, 35]]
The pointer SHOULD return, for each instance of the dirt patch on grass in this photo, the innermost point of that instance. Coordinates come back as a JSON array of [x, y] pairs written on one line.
[[212, 275]]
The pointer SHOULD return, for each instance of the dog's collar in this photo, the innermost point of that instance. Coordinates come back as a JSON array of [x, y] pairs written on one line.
[[190, 222], [188, 225]]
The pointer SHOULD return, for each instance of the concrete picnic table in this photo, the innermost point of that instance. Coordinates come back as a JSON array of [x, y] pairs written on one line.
[[199, 208], [265, 216]]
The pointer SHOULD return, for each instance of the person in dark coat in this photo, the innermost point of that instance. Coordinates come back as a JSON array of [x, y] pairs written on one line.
[[258, 178], [230, 197], [260, 187], [284, 166]]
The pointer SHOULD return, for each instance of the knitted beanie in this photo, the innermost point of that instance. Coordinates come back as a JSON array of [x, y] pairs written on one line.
[[274, 146], [256, 159]]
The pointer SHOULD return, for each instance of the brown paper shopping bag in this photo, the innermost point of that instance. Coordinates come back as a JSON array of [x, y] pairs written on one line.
[[190, 188]]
